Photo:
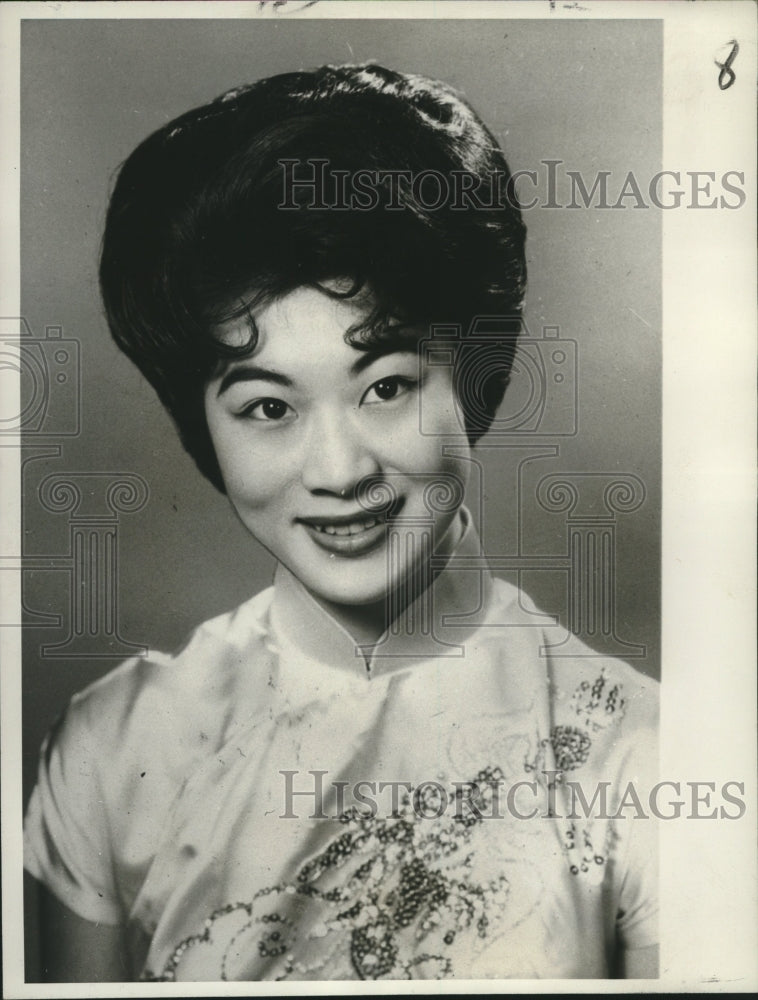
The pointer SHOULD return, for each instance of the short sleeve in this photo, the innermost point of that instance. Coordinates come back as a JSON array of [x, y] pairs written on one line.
[[637, 914], [67, 843], [637, 918]]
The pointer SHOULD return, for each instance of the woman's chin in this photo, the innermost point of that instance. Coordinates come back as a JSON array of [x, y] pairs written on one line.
[[347, 596]]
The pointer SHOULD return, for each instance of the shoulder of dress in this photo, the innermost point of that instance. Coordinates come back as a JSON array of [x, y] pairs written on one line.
[[577, 673], [605, 684], [238, 625], [204, 664]]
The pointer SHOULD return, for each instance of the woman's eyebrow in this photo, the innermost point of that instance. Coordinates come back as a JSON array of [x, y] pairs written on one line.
[[375, 354], [246, 373]]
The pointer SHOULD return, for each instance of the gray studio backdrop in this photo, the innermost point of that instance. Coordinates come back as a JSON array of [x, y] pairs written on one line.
[[587, 94]]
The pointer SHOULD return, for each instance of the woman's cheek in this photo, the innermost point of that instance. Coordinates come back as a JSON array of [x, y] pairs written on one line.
[[255, 476], [443, 431]]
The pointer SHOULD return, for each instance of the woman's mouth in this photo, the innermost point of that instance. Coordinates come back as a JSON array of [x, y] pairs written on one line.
[[347, 537], [354, 528]]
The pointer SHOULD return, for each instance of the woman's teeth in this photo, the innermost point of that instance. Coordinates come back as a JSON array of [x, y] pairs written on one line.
[[347, 529]]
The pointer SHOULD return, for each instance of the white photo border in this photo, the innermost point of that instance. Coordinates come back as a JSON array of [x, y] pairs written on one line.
[[709, 869]]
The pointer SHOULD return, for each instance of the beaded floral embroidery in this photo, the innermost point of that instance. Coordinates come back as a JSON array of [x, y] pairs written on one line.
[[392, 895], [585, 858], [571, 747], [599, 703]]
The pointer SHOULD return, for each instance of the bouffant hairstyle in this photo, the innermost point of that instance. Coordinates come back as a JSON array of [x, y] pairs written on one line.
[[241, 201]]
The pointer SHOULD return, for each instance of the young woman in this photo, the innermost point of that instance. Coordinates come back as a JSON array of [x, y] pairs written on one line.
[[374, 769]]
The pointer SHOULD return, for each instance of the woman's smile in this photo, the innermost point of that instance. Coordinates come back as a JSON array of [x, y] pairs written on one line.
[[355, 538]]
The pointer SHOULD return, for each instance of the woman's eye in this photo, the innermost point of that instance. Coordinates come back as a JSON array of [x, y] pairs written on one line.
[[387, 388], [269, 409]]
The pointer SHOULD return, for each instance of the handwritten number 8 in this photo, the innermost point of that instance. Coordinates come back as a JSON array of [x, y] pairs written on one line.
[[727, 76]]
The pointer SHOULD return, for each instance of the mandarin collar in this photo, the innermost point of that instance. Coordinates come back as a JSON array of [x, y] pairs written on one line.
[[433, 625]]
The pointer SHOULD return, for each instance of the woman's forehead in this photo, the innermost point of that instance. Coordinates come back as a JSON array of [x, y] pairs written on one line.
[[304, 313], [305, 333], [332, 318]]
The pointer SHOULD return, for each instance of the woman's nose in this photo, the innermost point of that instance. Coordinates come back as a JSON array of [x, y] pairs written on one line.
[[337, 456]]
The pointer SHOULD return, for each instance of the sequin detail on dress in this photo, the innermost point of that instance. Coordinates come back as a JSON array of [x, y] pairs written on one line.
[[387, 898], [599, 703], [571, 747], [584, 857]]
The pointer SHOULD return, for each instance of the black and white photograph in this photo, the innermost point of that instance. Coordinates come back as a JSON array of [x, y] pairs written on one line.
[[377, 415]]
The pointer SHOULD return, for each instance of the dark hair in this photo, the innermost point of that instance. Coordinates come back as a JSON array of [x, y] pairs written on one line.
[[195, 234]]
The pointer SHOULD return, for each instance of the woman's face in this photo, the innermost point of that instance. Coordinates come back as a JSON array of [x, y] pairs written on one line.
[[302, 421]]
